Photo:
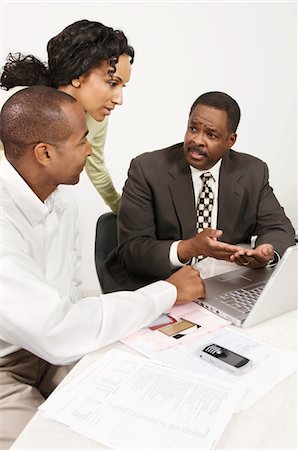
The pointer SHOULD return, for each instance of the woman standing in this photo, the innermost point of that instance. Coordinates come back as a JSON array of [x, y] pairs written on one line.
[[91, 62]]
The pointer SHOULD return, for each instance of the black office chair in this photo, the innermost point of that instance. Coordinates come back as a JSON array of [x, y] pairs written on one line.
[[105, 238]]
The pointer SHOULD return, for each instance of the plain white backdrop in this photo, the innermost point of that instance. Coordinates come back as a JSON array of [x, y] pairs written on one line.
[[247, 49]]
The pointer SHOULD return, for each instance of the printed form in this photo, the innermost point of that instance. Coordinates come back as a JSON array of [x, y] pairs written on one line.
[[125, 401], [270, 365]]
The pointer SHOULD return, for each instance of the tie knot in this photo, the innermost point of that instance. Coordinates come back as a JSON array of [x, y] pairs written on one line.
[[206, 176]]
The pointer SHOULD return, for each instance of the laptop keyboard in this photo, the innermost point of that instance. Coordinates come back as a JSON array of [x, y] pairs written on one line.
[[242, 299]]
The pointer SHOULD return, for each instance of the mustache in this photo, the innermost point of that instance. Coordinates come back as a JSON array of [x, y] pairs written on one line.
[[198, 150]]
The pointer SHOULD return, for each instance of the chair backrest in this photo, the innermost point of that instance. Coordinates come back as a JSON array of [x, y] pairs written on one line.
[[105, 238]]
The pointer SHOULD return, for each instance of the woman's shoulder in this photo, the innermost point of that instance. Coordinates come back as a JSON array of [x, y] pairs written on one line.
[[95, 127]]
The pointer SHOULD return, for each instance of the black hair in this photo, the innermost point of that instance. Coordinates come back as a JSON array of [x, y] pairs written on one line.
[[79, 48], [22, 70], [33, 115], [222, 101]]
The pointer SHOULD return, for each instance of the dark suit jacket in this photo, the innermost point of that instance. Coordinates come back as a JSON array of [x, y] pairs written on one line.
[[158, 207]]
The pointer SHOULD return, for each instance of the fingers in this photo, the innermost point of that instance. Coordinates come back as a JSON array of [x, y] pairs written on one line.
[[262, 253], [221, 250], [251, 258], [254, 258], [213, 233], [244, 260], [232, 249], [223, 246]]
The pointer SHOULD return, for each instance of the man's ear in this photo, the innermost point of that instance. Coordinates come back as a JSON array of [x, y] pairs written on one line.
[[232, 139], [43, 153]]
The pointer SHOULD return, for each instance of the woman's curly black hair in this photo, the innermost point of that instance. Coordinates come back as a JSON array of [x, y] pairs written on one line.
[[79, 48], [21, 70]]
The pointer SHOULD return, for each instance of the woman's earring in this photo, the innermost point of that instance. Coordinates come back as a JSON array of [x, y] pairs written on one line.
[[76, 83]]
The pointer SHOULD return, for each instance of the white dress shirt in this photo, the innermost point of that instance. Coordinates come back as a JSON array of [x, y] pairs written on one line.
[[198, 185], [42, 309]]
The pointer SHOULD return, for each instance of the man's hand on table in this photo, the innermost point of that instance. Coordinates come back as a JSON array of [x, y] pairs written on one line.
[[189, 285]]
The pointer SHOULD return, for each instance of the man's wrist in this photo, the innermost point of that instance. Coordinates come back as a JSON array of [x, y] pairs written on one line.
[[184, 251]]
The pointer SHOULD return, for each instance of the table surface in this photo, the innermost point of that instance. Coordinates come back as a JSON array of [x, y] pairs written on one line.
[[269, 424]]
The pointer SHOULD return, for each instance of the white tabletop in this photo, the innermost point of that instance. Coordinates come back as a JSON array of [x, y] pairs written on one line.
[[269, 424]]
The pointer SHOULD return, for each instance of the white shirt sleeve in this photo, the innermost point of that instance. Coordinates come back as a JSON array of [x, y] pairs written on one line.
[[42, 309], [36, 317], [173, 256]]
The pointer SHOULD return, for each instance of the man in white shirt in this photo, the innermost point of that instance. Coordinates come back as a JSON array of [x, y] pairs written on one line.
[[44, 322], [188, 197]]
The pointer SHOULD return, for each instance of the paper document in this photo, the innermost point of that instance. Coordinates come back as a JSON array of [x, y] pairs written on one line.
[[270, 365], [129, 402], [203, 322]]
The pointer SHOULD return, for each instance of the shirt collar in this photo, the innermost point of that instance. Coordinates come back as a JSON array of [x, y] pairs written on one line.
[[214, 171], [22, 195]]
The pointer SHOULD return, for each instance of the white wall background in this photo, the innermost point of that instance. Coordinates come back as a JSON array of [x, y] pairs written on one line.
[[247, 49]]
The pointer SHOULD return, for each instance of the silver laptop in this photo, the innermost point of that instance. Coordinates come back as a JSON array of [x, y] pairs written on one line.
[[248, 296]]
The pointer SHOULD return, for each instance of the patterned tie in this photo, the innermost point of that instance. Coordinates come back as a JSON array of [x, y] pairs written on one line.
[[204, 205]]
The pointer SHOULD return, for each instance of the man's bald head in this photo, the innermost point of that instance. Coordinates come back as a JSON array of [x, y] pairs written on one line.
[[31, 116]]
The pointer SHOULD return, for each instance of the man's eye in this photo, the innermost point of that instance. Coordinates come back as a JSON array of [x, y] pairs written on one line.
[[211, 135], [193, 129]]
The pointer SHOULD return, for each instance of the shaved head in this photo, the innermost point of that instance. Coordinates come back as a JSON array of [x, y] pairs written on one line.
[[31, 116]]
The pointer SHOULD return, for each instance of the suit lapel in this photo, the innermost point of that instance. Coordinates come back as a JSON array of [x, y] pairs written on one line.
[[181, 189], [230, 196]]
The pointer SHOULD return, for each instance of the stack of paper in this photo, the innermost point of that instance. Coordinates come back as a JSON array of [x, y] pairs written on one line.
[[129, 402], [270, 365], [174, 400]]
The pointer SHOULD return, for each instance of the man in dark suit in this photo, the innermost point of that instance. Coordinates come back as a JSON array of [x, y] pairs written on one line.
[[158, 227]]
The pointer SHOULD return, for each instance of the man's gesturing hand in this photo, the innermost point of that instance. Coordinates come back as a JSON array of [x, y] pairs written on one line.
[[205, 243]]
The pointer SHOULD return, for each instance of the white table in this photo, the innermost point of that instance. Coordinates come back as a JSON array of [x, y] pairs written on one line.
[[269, 424]]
